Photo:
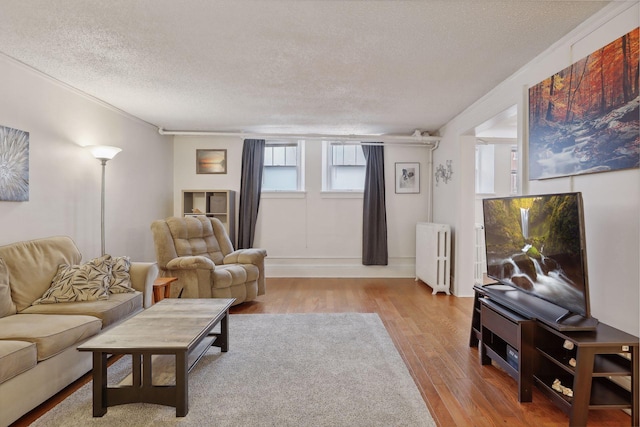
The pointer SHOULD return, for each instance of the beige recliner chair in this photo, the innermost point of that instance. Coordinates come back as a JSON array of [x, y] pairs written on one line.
[[198, 251]]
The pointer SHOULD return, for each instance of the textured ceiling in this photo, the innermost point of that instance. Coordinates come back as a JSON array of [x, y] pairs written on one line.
[[343, 67]]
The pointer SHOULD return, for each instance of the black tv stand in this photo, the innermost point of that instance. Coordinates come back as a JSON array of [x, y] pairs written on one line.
[[543, 311], [599, 366]]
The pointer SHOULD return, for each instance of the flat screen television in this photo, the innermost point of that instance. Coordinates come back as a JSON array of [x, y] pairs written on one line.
[[536, 245]]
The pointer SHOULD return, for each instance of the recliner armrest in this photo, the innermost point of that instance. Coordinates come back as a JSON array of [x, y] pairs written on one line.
[[245, 256], [143, 274], [191, 263]]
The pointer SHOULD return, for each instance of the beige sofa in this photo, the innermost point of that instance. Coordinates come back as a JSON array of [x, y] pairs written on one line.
[[38, 355]]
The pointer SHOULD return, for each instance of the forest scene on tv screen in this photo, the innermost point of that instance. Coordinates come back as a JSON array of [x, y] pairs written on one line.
[[534, 244]]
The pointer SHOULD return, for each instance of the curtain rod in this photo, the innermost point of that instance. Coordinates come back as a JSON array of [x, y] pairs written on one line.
[[411, 140]]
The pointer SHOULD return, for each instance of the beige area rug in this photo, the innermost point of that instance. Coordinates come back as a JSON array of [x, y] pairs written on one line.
[[281, 370]]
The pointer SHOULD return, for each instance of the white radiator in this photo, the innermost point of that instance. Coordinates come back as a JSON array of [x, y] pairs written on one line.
[[433, 255], [479, 256]]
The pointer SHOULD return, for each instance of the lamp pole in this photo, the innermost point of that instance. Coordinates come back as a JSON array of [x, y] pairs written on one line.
[[103, 153], [103, 162]]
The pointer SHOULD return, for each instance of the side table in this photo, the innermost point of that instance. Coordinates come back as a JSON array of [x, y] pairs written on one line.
[[162, 288]]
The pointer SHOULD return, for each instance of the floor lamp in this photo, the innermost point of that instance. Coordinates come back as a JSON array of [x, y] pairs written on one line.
[[104, 153]]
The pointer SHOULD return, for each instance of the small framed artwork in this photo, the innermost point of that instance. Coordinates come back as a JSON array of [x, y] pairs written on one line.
[[407, 177], [211, 161]]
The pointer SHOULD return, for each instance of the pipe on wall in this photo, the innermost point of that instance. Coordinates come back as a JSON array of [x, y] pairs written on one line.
[[395, 140]]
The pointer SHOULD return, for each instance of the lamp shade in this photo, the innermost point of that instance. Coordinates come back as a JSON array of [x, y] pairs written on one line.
[[103, 152]]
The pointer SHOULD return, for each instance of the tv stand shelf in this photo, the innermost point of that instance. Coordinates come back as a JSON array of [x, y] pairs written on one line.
[[602, 357], [507, 339], [606, 370]]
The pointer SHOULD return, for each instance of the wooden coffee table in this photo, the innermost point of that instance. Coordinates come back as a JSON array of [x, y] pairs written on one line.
[[179, 327]]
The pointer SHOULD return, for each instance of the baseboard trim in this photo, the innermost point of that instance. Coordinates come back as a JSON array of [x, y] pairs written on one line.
[[338, 267]]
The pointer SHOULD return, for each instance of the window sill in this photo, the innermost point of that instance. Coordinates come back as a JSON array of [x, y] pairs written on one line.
[[283, 194], [342, 194]]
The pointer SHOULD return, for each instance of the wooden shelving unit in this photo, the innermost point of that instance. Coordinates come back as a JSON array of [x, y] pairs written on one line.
[[600, 366], [220, 204]]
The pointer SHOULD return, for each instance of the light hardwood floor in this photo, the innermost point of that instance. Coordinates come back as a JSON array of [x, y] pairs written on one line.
[[431, 332]]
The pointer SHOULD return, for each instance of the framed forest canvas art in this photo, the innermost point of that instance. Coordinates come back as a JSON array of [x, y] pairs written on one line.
[[584, 119]]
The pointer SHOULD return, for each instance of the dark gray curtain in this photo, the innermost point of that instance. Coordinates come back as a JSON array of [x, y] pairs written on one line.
[[250, 187], [374, 223]]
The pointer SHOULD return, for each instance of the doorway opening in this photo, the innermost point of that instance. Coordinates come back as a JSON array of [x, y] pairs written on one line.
[[497, 173]]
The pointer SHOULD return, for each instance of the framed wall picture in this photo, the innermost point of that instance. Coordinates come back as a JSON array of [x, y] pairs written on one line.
[[14, 165], [211, 161], [407, 177], [584, 119]]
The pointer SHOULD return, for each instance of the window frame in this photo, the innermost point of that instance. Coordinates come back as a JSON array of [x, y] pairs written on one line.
[[299, 164], [483, 171], [328, 166], [514, 169]]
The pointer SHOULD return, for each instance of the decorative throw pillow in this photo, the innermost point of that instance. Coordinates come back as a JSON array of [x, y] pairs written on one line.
[[7, 307], [102, 263], [120, 278], [118, 270], [86, 282]]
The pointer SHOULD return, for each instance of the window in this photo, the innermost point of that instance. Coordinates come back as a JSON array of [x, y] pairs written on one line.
[[282, 166], [485, 159], [514, 169], [344, 167]]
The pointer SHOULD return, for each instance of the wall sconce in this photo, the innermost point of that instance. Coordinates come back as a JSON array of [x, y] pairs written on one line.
[[104, 153], [443, 173]]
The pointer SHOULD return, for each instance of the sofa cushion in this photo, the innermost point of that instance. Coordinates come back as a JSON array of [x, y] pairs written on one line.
[[7, 307], [32, 264], [15, 358], [86, 282], [234, 274], [52, 333], [116, 308]]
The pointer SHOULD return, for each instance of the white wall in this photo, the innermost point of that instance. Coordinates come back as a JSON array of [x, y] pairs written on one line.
[[315, 234], [612, 200], [65, 180]]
